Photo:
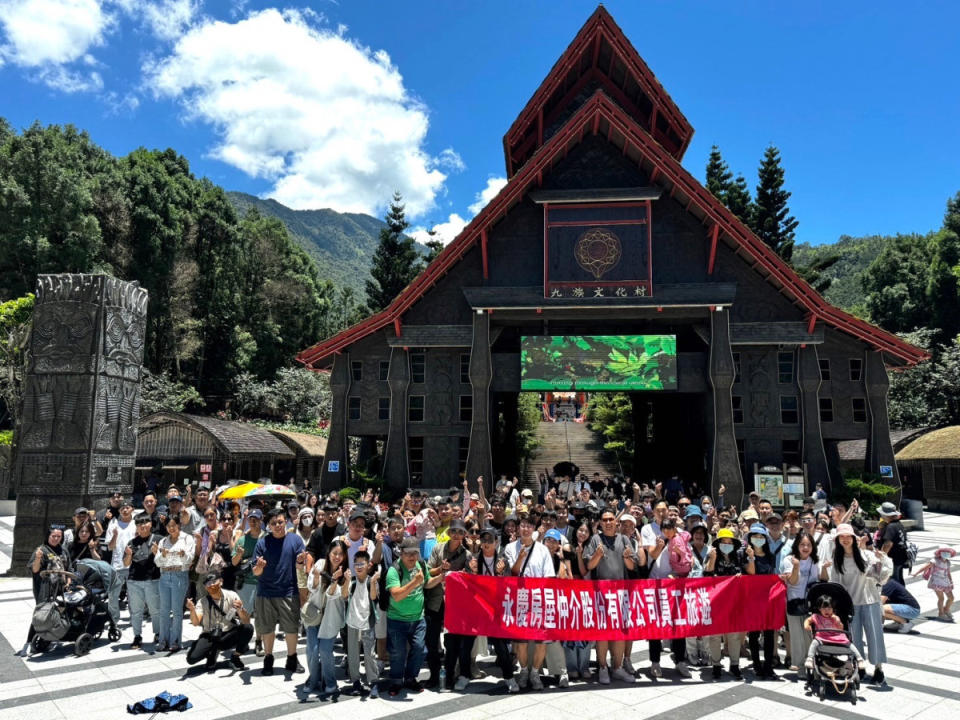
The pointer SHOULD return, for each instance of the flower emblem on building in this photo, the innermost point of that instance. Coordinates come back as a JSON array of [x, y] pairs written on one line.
[[597, 251]]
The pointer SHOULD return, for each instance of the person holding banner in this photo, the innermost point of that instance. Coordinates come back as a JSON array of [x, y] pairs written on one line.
[[658, 560], [447, 557], [759, 559], [608, 556], [723, 561], [527, 558]]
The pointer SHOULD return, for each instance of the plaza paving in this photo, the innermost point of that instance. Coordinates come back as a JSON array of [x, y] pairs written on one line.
[[923, 678]]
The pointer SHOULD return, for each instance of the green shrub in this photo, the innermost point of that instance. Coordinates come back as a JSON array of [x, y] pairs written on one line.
[[6, 437], [867, 489], [350, 492]]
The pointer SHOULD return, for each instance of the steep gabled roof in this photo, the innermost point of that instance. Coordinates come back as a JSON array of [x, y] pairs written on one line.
[[600, 115], [599, 56]]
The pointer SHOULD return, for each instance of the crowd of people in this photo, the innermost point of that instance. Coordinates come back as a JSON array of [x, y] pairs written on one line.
[[366, 579]]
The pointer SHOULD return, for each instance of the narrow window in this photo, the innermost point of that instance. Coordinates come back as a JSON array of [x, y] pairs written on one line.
[[785, 368], [415, 410], [789, 413], [824, 368], [856, 369], [354, 410], [356, 370], [826, 410], [737, 410], [859, 410], [383, 408], [466, 408]]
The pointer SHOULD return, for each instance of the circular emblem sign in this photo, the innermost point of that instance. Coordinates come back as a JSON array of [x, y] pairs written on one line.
[[597, 251]]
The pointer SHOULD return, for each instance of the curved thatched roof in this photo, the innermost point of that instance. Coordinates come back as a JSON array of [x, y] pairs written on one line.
[[233, 438], [942, 444], [310, 445]]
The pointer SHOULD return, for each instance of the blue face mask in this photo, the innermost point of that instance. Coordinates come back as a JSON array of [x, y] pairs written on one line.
[[726, 548], [757, 542]]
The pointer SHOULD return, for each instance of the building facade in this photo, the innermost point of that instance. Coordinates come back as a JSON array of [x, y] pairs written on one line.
[[600, 230]]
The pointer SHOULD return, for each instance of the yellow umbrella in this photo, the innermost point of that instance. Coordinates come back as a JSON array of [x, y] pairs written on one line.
[[239, 491]]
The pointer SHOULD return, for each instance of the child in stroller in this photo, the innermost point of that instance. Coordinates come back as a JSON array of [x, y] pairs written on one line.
[[832, 657]]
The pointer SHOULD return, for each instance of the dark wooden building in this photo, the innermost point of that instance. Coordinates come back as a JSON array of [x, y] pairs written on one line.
[[767, 372]]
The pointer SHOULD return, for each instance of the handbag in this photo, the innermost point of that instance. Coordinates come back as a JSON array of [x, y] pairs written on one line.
[[311, 614]]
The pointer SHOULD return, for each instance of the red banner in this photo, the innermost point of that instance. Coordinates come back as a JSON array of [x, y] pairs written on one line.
[[548, 609]]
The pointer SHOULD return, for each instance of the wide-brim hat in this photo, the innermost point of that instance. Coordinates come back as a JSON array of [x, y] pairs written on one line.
[[726, 534], [888, 509], [939, 552], [845, 529]]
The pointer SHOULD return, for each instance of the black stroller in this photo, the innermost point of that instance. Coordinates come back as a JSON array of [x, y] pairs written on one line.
[[834, 663], [78, 611]]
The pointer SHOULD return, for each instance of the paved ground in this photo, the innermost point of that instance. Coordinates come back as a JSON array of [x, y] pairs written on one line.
[[923, 676]]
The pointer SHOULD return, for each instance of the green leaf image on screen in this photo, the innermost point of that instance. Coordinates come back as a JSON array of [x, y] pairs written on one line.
[[598, 362]]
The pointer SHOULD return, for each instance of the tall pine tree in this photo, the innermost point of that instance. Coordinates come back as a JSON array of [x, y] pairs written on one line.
[[771, 219], [395, 262], [738, 199], [718, 175]]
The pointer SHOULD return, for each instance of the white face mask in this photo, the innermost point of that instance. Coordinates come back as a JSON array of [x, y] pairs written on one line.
[[307, 521], [726, 548]]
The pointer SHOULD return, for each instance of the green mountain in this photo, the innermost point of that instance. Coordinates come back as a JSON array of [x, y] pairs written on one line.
[[856, 254], [342, 244]]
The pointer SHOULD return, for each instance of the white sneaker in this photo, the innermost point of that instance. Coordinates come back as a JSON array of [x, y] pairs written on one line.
[[523, 678], [623, 676], [461, 684], [512, 686], [628, 666], [535, 682], [655, 671], [564, 680], [603, 676], [683, 670], [905, 627]]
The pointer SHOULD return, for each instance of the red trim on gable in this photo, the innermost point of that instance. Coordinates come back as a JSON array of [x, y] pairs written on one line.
[[600, 106]]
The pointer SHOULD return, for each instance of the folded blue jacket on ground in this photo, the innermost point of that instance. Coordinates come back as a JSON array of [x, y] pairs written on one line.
[[164, 702]]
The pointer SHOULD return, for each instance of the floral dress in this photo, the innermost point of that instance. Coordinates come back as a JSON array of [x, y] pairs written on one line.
[[940, 577]]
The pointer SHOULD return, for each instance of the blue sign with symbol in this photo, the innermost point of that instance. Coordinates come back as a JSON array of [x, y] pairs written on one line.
[[333, 466], [886, 471]]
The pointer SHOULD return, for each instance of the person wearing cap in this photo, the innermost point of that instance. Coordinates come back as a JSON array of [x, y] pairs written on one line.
[[723, 561], [304, 528], [692, 516], [758, 559], [120, 531], [893, 542], [242, 560], [859, 571], [406, 626], [143, 580], [447, 557], [225, 623], [775, 539], [527, 558], [324, 534], [609, 555]]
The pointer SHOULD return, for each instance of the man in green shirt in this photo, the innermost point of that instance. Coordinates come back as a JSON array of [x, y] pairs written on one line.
[[406, 626]]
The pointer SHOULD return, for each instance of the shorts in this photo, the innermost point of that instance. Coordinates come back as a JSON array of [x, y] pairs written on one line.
[[274, 611], [907, 612]]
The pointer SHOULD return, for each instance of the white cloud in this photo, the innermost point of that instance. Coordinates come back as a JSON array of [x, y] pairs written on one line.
[[450, 159], [494, 185], [168, 19], [444, 232], [327, 120], [45, 36]]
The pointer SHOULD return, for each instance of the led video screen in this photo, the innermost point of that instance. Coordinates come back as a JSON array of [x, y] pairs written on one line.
[[598, 362]]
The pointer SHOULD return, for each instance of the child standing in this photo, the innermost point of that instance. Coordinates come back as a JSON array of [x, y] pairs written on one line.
[[940, 580], [362, 623], [827, 627]]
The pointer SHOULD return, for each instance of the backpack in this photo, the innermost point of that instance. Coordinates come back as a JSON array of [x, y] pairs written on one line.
[[912, 552], [679, 545], [49, 622], [384, 597]]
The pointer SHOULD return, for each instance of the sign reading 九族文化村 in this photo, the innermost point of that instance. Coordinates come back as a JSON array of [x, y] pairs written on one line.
[[549, 609]]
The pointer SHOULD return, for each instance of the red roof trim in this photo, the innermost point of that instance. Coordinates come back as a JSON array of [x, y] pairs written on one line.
[[600, 25], [601, 107]]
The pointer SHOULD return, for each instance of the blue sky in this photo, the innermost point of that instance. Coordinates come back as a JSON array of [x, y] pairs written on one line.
[[336, 104]]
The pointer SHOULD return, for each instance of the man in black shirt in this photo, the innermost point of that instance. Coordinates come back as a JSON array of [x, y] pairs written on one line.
[[894, 540], [143, 582], [899, 605], [321, 538], [157, 519]]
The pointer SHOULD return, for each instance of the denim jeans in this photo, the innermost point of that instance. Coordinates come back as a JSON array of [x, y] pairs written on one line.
[[113, 602], [173, 589], [144, 594], [577, 655], [869, 619], [406, 648], [320, 660]]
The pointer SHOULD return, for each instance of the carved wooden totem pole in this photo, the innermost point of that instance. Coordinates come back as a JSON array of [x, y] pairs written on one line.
[[77, 438]]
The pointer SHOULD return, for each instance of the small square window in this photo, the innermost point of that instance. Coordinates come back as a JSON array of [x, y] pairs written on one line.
[[856, 369], [418, 367], [415, 410], [384, 370], [824, 368], [356, 370], [415, 458], [737, 410], [789, 413], [785, 368], [466, 408], [383, 408], [826, 410], [354, 408], [465, 368], [736, 367], [790, 449], [859, 410]]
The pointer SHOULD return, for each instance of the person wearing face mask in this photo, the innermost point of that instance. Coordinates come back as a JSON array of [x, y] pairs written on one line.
[[759, 559], [304, 529], [723, 561]]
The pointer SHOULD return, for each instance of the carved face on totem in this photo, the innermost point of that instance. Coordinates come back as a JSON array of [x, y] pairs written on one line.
[[63, 337], [123, 338]]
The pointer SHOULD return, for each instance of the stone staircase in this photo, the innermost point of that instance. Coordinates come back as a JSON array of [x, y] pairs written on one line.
[[570, 441]]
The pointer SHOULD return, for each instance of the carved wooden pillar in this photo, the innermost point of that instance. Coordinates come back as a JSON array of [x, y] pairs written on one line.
[[879, 448], [814, 456], [396, 465], [337, 444], [479, 457], [725, 464]]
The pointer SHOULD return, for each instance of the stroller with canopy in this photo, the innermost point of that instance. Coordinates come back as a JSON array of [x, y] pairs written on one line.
[[834, 662], [78, 611]]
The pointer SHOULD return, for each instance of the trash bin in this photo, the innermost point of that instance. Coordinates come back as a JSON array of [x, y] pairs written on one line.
[[913, 510]]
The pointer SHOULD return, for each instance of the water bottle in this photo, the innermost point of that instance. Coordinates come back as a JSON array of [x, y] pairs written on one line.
[[443, 679]]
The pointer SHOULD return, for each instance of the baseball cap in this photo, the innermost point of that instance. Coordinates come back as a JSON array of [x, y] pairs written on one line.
[[628, 518], [174, 498], [210, 578], [358, 513], [456, 524], [694, 511], [409, 544], [488, 532], [81, 511], [258, 514], [553, 534]]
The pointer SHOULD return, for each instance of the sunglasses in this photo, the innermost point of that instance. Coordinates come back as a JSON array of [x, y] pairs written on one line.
[[279, 523], [684, 505]]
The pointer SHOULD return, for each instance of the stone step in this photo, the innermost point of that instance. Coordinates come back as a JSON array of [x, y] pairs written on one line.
[[572, 442]]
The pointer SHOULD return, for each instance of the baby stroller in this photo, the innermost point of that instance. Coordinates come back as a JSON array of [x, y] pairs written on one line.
[[833, 663], [78, 611]]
